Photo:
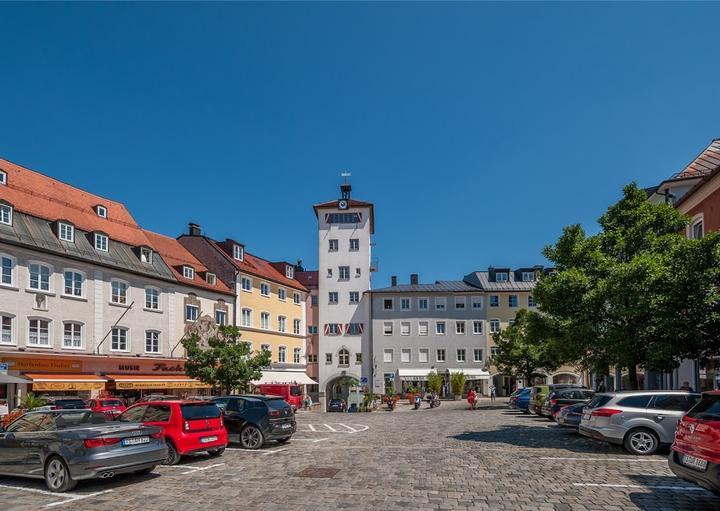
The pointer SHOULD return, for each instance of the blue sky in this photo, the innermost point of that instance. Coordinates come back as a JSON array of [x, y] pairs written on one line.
[[479, 130]]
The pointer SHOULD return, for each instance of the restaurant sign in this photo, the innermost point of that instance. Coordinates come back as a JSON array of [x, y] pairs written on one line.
[[146, 385], [64, 385], [55, 365]]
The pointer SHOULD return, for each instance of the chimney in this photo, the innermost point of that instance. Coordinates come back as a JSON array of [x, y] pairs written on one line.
[[194, 229], [393, 280], [414, 279]]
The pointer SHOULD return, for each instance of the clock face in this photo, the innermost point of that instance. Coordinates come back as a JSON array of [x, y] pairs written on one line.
[[342, 204]]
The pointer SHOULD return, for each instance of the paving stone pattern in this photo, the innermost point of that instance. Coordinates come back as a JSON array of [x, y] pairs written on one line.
[[447, 458]]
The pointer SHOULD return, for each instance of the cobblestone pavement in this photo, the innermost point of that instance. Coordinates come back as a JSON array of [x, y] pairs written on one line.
[[442, 459]]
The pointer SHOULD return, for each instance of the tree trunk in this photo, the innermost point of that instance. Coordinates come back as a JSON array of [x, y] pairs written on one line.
[[632, 377]]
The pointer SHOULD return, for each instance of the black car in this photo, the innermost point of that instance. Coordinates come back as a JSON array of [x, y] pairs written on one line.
[[254, 419], [570, 416], [564, 397], [62, 403], [336, 405]]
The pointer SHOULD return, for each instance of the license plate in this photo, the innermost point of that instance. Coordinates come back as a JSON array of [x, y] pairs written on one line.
[[286, 426], [207, 439], [586, 416], [693, 462], [136, 441]]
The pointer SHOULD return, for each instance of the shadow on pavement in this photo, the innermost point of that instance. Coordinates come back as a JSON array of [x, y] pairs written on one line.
[[670, 492]]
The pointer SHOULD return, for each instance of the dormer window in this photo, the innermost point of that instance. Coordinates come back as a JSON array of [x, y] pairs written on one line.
[[238, 252], [66, 232], [289, 272], [210, 278], [146, 255], [6, 212], [528, 276], [501, 276], [3, 177], [101, 211], [188, 272], [101, 242]]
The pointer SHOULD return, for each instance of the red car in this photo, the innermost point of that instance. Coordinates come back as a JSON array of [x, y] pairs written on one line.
[[188, 426], [110, 406], [290, 392], [695, 454]]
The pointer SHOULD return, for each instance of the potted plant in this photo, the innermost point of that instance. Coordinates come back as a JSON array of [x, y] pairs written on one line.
[[434, 382], [412, 391], [457, 384], [29, 403]]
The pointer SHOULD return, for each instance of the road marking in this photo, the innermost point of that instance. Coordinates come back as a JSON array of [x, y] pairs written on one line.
[[313, 440], [648, 486], [352, 429], [334, 427], [68, 497], [629, 458], [331, 428], [257, 451], [78, 497], [312, 428], [198, 469]]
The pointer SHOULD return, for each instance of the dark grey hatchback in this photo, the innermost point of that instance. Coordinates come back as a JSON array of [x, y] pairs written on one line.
[[251, 420], [65, 446]]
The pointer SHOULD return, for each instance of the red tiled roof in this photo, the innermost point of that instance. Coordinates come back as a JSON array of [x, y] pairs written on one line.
[[307, 278], [352, 203], [47, 198], [176, 255], [705, 163]]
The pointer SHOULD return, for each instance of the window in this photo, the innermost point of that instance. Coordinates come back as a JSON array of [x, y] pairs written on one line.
[[191, 312], [188, 272], [333, 297], [477, 355], [405, 328], [282, 294], [477, 327], [282, 354], [145, 255], [494, 301], [674, 402], [246, 317], [101, 211], [220, 317], [246, 284], [314, 299], [460, 327], [357, 272], [282, 321], [296, 298], [493, 351], [312, 359], [265, 320], [343, 218], [440, 303], [3, 178], [210, 278], [289, 271], [6, 214], [423, 328], [459, 302], [152, 341], [423, 355], [39, 277], [333, 329], [405, 355], [405, 304], [358, 358], [494, 326], [501, 276], [354, 328], [354, 244], [343, 272], [343, 357], [387, 356], [440, 355], [6, 271], [511, 322], [66, 232], [238, 252], [73, 283], [423, 304], [328, 358], [312, 329], [354, 297], [697, 230], [39, 334], [531, 301], [101, 242], [329, 273], [6, 329], [387, 304], [265, 347], [388, 328], [512, 301], [118, 292], [635, 401], [440, 327], [296, 355], [528, 276], [296, 326], [461, 354], [476, 302], [332, 245], [119, 339], [264, 289], [152, 298]]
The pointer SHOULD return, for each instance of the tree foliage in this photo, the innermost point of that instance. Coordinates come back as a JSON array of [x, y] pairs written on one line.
[[434, 382], [457, 382], [226, 362]]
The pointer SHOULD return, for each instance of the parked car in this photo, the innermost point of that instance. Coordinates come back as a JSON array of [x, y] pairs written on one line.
[[158, 397], [66, 446], [512, 399], [523, 400], [62, 403], [569, 416], [188, 426], [695, 454], [337, 405], [640, 420], [253, 420], [110, 406], [540, 392], [564, 397], [291, 393]]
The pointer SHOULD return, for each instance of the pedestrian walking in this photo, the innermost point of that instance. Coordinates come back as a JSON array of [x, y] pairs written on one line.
[[478, 395], [471, 399], [686, 386], [492, 392], [601, 387]]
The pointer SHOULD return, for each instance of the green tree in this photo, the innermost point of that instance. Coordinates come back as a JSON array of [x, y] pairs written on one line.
[[525, 348], [457, 383], [32, 401], [226, 362], [636, 294], [434, 382]]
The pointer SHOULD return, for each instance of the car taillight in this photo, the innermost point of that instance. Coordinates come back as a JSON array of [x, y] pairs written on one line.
[[159, 435], [53, 407], [186, 426], [553, 401], [605, 412], [274, 413], [92, 443]]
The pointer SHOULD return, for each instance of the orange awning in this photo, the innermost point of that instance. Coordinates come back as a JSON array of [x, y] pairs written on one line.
[[155, 381], [65, 381]]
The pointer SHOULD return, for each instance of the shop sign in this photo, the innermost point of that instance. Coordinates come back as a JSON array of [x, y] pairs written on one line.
[[167, 368], [50, 365], [3, 368], [64, 385], [148, 385]]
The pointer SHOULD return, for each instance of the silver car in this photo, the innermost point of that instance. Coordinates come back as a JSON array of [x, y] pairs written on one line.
[[65, 446], [640, 420]]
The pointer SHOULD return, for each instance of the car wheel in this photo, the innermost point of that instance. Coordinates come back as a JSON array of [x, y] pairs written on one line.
[[641, 441], [251, 437], [216, 452], [173, 457], [57, 475], [283, 440], [145, 471]]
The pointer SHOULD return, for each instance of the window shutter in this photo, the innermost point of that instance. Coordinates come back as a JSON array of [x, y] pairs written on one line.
[[347, 328], [360, 327], [327, 328]]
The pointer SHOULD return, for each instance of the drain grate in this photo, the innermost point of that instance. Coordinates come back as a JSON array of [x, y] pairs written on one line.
[[319, 472]]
